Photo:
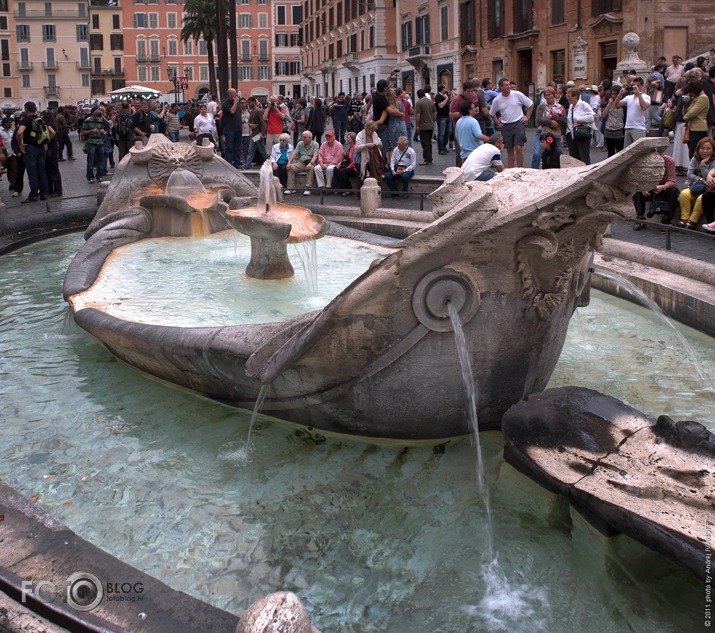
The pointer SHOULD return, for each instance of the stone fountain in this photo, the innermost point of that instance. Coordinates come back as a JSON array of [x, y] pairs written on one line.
[[513, 255]]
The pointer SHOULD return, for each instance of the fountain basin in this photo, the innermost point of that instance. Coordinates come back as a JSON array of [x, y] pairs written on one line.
[[515, 254]]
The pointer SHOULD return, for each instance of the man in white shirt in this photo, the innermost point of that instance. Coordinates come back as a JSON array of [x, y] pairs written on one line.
[[507, 112], [212, 106], [484, 162], [401, 167], [636, 102]]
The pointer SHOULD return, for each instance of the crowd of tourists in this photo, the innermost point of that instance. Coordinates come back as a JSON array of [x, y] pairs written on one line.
[[338, 142]]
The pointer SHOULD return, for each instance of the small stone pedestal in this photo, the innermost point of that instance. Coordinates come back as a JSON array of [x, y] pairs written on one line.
[[370, 197]]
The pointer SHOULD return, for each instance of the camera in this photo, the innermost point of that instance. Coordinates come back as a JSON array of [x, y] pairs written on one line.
[[627, 90]]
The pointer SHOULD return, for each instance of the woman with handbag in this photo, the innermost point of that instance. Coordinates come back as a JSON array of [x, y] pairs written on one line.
[[368, 149], [579, 126], [348, 168], [695, 116], [691, 204]]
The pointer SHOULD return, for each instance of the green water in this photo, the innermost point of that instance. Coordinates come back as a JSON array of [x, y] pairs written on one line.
[[372, 538]]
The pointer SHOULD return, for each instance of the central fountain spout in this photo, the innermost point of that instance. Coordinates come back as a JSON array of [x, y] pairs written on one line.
[[272, 229]]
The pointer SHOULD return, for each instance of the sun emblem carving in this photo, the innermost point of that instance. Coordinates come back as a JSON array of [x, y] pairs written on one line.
[[169, 157]]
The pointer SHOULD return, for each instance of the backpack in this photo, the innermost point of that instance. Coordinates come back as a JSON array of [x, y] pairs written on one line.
[[39, 133], [124, 125]]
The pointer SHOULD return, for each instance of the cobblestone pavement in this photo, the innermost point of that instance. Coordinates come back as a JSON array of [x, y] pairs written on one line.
[[79, 194]]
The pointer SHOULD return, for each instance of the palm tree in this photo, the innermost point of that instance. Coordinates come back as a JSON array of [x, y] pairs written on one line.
[[200, 21]]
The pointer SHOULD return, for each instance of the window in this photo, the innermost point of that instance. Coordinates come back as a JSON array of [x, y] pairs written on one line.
[[84, 58], [48, 9], [264, 72], [141, 50], [263, 49], [25, 58], [116, 22], [48, 33], [189, 72], [244, 21], [495, 27], [26, 81], [406, 35], [262, 20], [245, 1], [246, 73], [281, 39], [280, 14], [422, 29], [85, 80], [189, 47], [297, 14], [3, 23], [202, 48], [281, 68], [6, 70], [154, 50], [81, 9], [522, 16], [141, 73], [21, 9], [96, 42], [155, 73], [82, 33], [605, 6], [118, 65], [7, 93], [558, 12], [245, 50], [262, 2], [173, 46], [116, 41], [295, 39], [95, 21], [203, 72], [171, 20], [294, 68], [444, 22], [153, 20], [3, 5], [50, 58], [371, 37], [52, 80], [558, 66], [140, 21]]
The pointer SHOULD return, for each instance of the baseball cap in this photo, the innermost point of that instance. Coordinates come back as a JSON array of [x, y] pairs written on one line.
[[329, 133]]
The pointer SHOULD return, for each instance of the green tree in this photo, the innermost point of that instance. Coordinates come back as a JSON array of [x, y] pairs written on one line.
[[200, 21]]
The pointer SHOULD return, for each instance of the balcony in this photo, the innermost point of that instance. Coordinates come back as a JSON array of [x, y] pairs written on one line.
[[67, 14], [419, 55], [24, 64], [352, 61], [141, 58], [83, 65], [50, 65], [52, 91], [108, 72], [154, 58], [328, 66]]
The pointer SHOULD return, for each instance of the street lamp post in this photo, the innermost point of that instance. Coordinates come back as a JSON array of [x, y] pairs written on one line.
[[173, 75]]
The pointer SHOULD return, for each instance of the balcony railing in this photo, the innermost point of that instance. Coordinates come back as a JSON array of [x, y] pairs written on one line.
[[423, 50], [83, 65], [154, 58], [328, 66], [52, 91], [108, 72], [24, 65], [351, 60], [41, 13], [141, 57], [51, 65]]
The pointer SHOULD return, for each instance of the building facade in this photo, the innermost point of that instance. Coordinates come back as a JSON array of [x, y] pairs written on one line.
[[105, 62], [347, 45]]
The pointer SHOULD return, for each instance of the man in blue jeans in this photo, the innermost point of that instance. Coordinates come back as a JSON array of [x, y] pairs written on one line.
[[93, 133], [401, 167], [34, 151]]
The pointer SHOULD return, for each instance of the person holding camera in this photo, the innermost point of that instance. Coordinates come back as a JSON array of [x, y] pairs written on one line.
[[274, 115], [401, 167], [633, 98]]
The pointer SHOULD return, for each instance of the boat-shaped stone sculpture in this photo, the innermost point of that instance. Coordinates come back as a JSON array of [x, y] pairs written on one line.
[[513, 255]]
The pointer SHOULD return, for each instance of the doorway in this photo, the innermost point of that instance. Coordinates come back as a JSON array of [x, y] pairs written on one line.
[[523, 71]]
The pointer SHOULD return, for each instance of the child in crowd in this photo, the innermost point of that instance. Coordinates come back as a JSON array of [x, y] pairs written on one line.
[[551, 154]]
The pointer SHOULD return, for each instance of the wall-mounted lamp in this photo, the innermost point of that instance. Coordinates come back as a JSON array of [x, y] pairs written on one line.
[[64, 53]]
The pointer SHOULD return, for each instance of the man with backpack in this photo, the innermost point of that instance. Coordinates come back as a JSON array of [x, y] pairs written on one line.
[[33, 137], [125, 130]]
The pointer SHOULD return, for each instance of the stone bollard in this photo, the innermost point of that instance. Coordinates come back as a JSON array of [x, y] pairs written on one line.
[[370, 197], [282, 611]]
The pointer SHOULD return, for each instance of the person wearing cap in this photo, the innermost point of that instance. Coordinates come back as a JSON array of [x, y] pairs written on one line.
[[330, 156], [672, 75]]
